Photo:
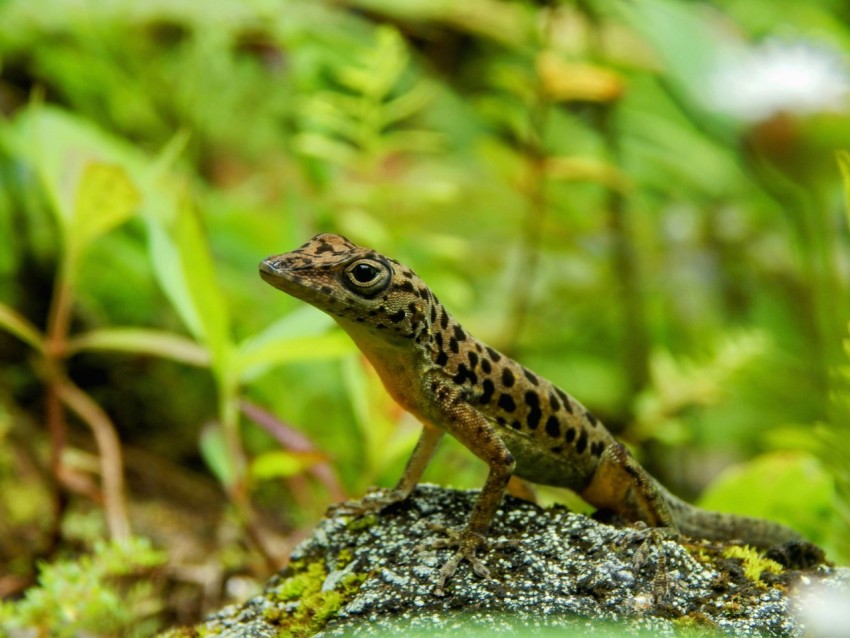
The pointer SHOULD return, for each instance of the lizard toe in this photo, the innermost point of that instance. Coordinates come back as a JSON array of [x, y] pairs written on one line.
[[466, 544]]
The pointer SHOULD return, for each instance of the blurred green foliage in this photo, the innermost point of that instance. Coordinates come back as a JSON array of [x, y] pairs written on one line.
[[108, 593], [566, 176]]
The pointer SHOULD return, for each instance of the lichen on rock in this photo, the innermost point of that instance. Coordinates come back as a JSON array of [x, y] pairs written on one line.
[[356, 576]]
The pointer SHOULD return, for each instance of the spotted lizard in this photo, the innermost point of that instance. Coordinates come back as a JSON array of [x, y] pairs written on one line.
[[516, 421]]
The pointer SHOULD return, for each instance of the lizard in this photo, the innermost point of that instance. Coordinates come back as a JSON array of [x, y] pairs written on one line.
[[516, 421]]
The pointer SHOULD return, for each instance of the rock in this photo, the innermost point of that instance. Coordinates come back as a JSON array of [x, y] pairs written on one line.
[[555, 569]]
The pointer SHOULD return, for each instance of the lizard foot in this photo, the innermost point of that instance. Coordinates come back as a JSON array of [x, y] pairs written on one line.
[[653, 537], [374, 501], [467, 544]]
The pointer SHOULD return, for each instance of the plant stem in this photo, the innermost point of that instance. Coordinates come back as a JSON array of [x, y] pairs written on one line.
[[627, 272], [58, 320], [60, 390], [110, 455]]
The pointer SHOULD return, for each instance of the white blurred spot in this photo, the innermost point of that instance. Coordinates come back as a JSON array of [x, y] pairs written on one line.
[[824, 610], [803, 77]]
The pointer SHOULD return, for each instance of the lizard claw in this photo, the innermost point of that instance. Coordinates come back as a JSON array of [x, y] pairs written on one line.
[[373, 501], [466, 543]]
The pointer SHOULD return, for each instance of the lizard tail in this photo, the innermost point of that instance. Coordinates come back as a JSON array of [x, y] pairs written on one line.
[[700, 523]]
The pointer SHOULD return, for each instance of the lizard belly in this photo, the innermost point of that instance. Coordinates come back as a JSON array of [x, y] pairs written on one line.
[[543, 466]]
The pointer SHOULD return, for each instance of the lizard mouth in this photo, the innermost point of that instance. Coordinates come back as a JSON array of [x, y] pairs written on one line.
[[269, 271], [291, 275], [280, 273]]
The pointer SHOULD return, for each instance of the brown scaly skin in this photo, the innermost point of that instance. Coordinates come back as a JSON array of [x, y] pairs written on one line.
[[515, 421]]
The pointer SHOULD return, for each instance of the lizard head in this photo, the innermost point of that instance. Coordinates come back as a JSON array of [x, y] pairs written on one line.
[[359, 287]]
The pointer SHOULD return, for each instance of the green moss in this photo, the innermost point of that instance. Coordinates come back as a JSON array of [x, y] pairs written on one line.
[[314, 606], [362, 522], [753, 562], [301, 584], [109, 591], [695, 624]]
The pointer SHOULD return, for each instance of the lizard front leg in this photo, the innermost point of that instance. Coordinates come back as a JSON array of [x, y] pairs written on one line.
[[416, 464], [476, 433]]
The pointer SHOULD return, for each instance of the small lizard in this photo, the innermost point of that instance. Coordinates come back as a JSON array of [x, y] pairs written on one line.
[[514, 420]]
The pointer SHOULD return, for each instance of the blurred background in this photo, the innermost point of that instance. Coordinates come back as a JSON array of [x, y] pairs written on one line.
[[641, 200]]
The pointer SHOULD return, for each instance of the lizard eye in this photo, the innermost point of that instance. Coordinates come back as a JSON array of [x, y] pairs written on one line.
[[367, 277]]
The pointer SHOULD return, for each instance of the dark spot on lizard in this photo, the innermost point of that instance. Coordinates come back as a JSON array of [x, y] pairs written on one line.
[[485, 366], [593, 420], [554, 404], [416, 316], [406, 286], [571, 435], [565, 400], [423, 292], [534, 413], [460, 335], [501, 420], [465, 374], [516, 425], [438, 339], [597, 448], [324, 248], [581, 443], [444, 318], [473, 359], [442, 358], [530, 376], [507, 378], [326, 289], [553, 426], [489, 388], [495, 356], [506, 402], [556, 449], [396, 316], [407, 274], [433, 314], [453, 346]]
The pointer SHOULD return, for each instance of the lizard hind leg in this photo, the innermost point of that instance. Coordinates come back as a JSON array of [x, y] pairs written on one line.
[[621, 485], [376, 500]]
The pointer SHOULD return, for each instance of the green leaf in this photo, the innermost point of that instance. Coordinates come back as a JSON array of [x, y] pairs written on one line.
[[283, 464], [253, 361], [215, 454], [184, 268], [326, 148], [142, 341], [19, 326], [792, 488], [407, 104], [106, 198], [62, 148], [299, 336], [843, 158]]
